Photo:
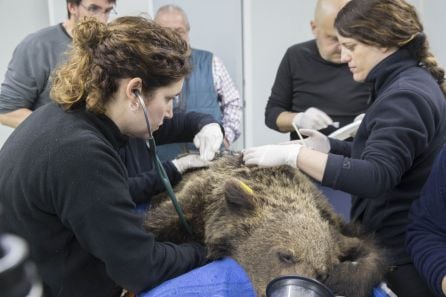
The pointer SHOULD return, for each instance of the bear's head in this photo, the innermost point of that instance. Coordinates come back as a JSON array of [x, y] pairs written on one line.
[[269, 222]]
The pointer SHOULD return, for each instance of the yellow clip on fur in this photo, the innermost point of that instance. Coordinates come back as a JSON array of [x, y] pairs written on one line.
[[246, 188]]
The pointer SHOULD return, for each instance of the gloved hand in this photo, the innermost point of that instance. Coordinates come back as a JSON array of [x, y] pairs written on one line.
[[188, 162], [272, 155], [316, 140], [312, 118], [208, 141]]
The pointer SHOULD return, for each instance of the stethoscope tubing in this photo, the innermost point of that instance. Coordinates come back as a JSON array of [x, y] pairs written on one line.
[[159, 167]]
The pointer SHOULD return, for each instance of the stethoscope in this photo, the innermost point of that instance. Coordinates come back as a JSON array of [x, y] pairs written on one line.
[[159, 167]]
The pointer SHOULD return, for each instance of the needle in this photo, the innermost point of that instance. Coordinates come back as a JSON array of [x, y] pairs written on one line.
[[298, 134]]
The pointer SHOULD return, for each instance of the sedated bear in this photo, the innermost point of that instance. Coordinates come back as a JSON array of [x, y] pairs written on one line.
[[272, 221]]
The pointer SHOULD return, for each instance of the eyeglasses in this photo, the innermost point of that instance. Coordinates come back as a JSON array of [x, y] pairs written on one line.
[[97, 10]]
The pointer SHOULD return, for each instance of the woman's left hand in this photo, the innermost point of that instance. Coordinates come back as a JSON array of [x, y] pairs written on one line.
[[209, 141]]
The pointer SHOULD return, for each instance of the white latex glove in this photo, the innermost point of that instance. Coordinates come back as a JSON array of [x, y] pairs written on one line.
[[208, 141], [188, 162], [272, 155], [316, 140], [348, 130], [312, 118], [359, 117]]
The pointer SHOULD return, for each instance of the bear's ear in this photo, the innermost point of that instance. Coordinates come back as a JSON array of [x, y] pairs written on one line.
[[239, 196]]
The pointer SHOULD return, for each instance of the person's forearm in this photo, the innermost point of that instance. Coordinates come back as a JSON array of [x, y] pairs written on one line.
[[231, 128], [284, 121], [443, 285], [232, 118], [312, 163], [14, 118], [226, 143]]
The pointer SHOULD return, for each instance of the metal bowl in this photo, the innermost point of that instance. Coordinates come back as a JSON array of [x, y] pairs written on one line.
[[18, 275], [297, 286]]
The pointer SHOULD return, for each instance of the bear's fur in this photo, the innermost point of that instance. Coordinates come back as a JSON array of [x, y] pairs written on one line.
[[283, 226]]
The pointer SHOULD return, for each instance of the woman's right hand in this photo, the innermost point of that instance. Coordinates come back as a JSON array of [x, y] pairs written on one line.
[[190, 161]]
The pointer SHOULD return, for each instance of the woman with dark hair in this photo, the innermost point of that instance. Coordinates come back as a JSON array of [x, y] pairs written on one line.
[[389, 160], [64, 187]]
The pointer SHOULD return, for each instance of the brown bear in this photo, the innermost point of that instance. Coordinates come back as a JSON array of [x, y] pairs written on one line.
[[272, 221]]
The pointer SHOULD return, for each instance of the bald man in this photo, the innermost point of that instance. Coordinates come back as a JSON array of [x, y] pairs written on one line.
[[208, 89], [312, 88]]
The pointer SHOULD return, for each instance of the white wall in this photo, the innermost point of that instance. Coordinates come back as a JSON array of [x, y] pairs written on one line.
[[434, 20], [270, 27], [133, 7]]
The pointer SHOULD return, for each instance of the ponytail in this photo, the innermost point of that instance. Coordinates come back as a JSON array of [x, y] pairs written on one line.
[[103, 54], [87, 36], [418, 47]]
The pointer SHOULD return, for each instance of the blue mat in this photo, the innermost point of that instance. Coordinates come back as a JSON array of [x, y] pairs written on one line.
[[223, 278]]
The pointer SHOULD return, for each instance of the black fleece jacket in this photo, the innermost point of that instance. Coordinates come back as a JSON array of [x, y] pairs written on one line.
[[392, 153], [64, 188]]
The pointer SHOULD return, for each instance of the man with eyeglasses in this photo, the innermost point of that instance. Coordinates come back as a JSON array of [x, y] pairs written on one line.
[[27, 81]]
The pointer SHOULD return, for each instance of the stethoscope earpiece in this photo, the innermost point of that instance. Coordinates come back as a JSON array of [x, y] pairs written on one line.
[[144, 109], [158, 165]]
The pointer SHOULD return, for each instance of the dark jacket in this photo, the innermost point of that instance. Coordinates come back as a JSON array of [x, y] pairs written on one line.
[[426, 234], [391, 156], [65, 190], [304, 79]]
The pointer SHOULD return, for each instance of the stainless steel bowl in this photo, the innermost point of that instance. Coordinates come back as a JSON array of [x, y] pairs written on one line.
[[297, 286]]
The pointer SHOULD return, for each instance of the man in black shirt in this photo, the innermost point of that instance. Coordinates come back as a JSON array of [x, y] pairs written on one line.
[[312, 88]]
